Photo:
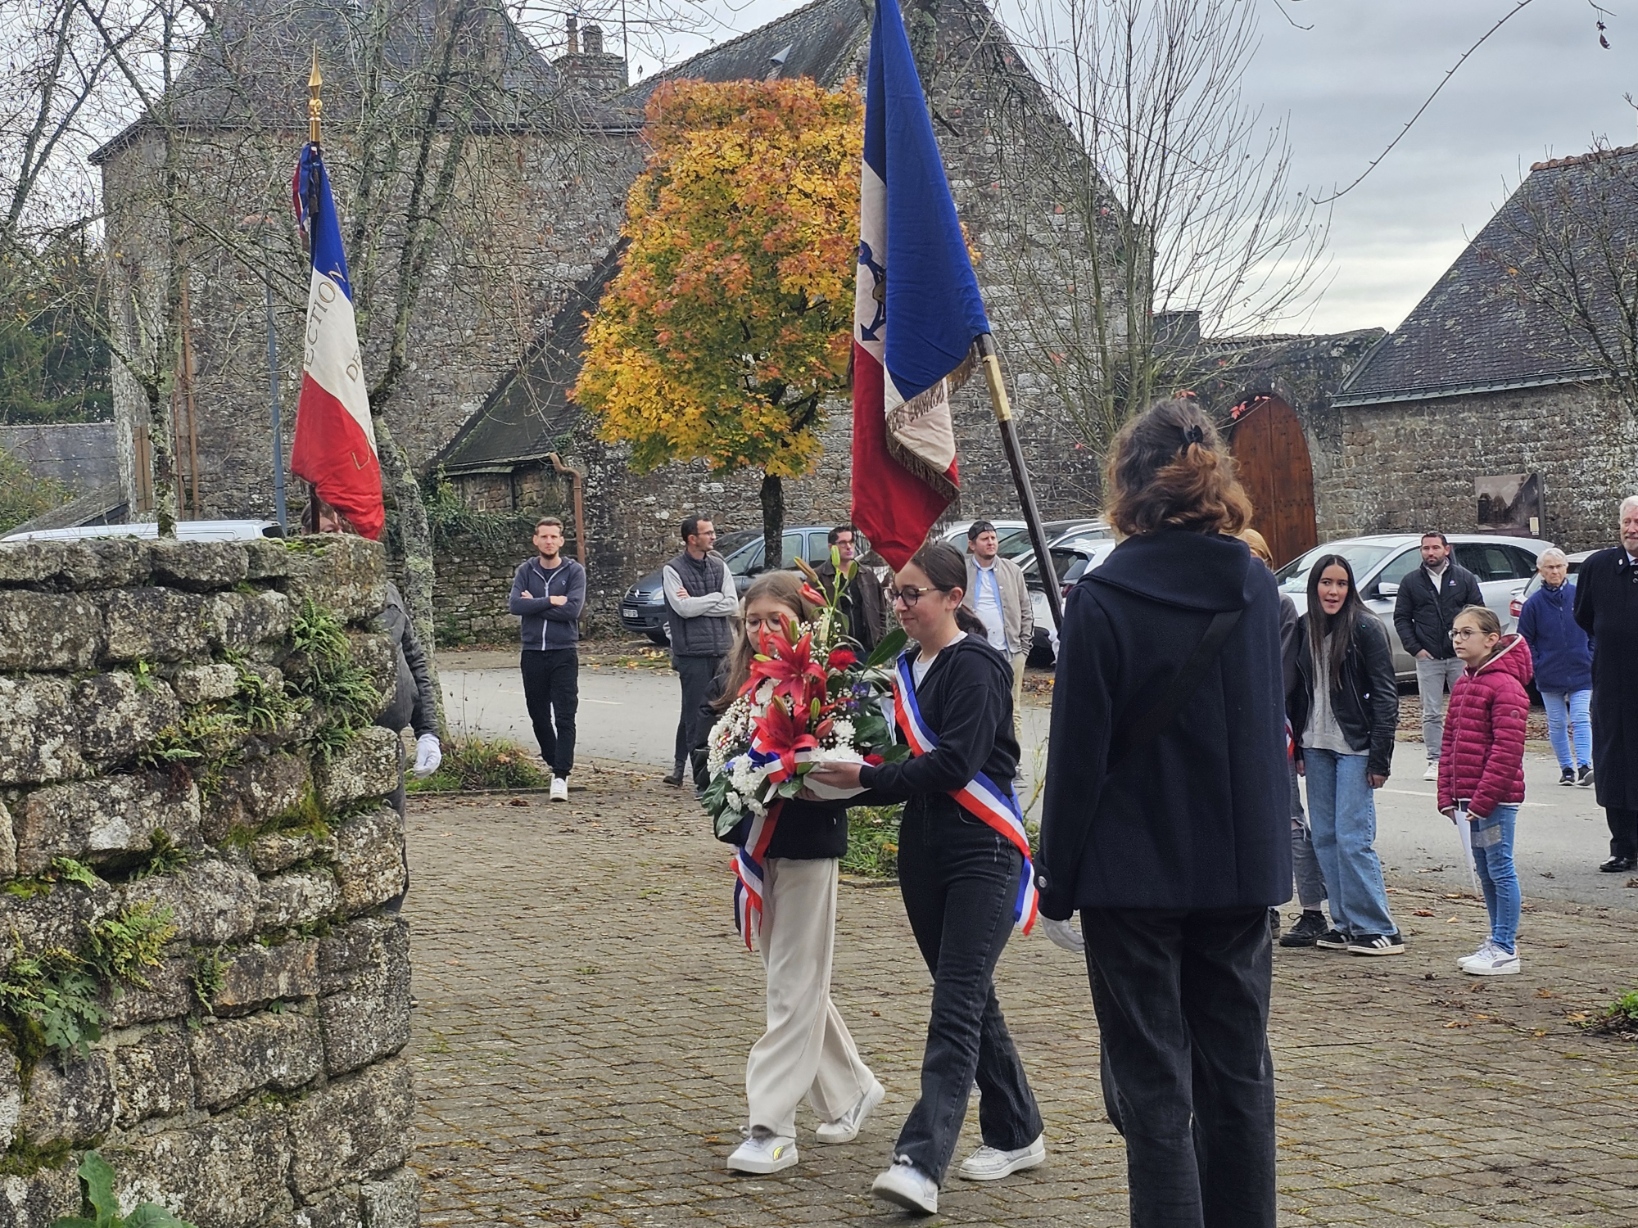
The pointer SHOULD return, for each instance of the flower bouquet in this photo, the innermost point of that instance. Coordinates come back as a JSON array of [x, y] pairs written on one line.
[[809, 699]]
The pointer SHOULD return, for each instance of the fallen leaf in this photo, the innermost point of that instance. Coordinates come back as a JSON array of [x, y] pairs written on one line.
[[1452, 920], [1458, 1023], [1423, 912], [1544, 992]]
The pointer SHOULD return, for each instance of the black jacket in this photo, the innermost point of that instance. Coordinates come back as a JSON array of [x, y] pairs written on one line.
[[806, 831], [412, 702], [966, 701], [1200, 817], [862, 601], [1606, 607], [1423, 617], [1365, 699]]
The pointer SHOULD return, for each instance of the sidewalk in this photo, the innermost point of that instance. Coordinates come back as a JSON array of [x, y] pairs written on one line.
[[586, 1011]]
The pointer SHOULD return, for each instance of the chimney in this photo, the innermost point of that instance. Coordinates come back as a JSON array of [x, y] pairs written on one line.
[[593, 41], [574, 35], [586, 67]]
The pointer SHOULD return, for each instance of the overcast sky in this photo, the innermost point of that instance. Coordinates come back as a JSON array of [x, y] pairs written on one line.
[[1541, 87]]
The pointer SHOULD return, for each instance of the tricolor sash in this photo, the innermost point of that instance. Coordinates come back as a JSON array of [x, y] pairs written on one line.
[[981, 797], [748, 857]]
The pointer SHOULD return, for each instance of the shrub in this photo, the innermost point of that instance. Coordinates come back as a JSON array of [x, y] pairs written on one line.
[[873, 841], [478, 763]]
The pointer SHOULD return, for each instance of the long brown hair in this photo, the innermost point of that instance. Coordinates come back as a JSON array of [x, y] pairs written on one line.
[[785, 587], [1339, 626], [1168, 468], [945, 569]]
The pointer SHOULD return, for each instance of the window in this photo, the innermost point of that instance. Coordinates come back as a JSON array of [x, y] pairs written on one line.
[[1524, 563], [790, 547], [1486, 561], [1399, 567]]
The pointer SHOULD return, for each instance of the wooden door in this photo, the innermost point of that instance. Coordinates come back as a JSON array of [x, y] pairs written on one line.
[[1272, 454]]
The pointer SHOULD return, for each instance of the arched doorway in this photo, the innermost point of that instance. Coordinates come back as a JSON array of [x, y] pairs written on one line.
[[1272, 453]]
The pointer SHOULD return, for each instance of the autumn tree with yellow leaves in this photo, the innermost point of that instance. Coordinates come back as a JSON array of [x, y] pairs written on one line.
[[730, 321]]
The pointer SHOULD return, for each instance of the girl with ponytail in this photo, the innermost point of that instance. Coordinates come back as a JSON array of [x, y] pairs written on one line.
[[961, 878]]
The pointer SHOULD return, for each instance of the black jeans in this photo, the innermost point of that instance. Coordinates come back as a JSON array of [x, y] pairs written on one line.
[[551, 688], [1182, 1004], [959, 880], [1623, 831], [696, 674]]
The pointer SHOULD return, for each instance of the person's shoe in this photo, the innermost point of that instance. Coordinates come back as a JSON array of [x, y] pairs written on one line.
[[675, 778], [1566, 776], [1308, 930], [1493, 960], [1377, 944], [906, 1186], [991, 1163], [1432, 772], [1485, 948], [1583, 776], [1332, 940], [1274, 923], [763, 1153], [1616, 865], [560, 789], [846, 1127]]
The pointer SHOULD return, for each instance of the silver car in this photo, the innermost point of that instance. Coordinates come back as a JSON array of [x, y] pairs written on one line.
[[1503, 566]]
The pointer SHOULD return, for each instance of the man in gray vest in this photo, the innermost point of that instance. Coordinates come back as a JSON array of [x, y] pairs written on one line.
[[700, 601]]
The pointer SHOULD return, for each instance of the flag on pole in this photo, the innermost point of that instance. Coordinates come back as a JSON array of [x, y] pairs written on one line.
[[913, 332], [334, 448]]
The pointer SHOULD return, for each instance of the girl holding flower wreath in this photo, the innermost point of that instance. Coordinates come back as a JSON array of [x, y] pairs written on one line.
[[806, 1050]]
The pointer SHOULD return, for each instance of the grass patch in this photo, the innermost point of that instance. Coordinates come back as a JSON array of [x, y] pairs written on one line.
[[872, 841], [1619, 1018], [480, 763]]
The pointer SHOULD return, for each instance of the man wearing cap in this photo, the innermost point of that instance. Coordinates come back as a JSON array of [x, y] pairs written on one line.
[[996, 592]]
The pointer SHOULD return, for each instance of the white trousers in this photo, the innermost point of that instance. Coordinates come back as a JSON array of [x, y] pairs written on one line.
[[806, 1050]]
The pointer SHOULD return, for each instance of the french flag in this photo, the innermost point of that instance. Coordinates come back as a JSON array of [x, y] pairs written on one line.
[[334, 449], [913, 332]]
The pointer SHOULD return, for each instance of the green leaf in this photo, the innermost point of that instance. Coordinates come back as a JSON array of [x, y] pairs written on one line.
[[98, 1176], [149, 1216], [897, 753], [891, 645], [73, 1221]]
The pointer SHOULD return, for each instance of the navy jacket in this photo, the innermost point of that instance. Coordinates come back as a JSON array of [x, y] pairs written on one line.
[[1606, 608], [546, 626], [1423, 615], [1559, 647], [1200, 817]]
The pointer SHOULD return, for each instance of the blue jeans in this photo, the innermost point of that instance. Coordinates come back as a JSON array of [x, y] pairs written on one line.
[[1492, 840], [1567, 712], [1342, 812]]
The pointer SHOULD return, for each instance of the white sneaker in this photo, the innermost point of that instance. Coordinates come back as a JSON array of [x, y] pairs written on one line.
[[907, 1186], [1494, 962], [846, 1127], [1433, 770], [762, 1154], [560, 789], [1485, 949], [991, 1163]]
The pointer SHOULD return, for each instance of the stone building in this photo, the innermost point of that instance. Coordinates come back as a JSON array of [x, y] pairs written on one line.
[[1482, 381]]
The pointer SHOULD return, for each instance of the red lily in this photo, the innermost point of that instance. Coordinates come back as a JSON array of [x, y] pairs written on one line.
[[794, 672], [779, 731]]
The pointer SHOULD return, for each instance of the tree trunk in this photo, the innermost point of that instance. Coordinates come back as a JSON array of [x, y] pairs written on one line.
[[416, 535], [162, 459], [773, 519]]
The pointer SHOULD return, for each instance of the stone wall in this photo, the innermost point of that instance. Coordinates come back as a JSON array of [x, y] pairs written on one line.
[[196, 839], [1409, 465]]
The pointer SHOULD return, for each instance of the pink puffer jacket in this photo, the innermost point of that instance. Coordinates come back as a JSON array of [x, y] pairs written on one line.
[[1482, 755]]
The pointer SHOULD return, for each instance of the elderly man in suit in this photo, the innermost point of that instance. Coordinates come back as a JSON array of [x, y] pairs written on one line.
[[1606, 606]]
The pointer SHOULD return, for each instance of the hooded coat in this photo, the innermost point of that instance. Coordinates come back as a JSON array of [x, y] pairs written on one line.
[[1482, 756], [1200, 818], [1606, 606]]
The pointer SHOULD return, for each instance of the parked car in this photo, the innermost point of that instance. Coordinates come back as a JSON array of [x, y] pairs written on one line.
[[1013, 536], [1503, 566], [1516, 607], [1072, 558], [186, 530], [642, 609]]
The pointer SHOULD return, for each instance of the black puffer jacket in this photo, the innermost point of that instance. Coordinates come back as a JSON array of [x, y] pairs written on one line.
[[1423, 614], [1365, 699]]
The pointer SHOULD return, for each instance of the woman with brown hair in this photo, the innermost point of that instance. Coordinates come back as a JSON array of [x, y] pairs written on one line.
[[1166, 823]]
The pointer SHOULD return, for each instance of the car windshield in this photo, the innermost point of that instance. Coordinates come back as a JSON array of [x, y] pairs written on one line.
[[1013, 542], [1361, 556]]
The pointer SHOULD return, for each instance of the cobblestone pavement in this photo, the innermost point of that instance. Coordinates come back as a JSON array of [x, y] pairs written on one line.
[[585, 1014]]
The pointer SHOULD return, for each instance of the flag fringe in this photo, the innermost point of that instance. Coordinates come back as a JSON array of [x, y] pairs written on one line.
[[914, 408]]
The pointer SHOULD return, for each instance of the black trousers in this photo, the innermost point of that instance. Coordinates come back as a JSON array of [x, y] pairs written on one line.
[[551, 688], [696, 674], [1182, 1005], [1623, 831], [960, 882]]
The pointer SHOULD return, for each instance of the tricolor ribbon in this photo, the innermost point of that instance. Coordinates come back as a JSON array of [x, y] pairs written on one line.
[[748, 857], [981, 797]]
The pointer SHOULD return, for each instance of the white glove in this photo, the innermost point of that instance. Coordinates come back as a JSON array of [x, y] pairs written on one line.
[[428, 754], [1065, 934]]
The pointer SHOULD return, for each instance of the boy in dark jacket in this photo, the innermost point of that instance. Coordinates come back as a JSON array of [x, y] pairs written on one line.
[[549, 594]]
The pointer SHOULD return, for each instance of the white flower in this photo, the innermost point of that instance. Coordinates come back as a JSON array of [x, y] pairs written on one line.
[[842, 731]]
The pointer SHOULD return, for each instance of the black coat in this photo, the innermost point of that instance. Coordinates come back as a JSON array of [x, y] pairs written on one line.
[[804, 831], [1423, 617], [1365, 699], [1200, 817], [1606, 606]]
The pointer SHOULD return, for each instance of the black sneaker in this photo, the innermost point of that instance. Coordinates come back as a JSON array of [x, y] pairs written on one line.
[[1616, 865], [1274, 923], [1377, 944], [1306, 932], [674, 779], [1332, 940], [1566, 776], [1584, 776]]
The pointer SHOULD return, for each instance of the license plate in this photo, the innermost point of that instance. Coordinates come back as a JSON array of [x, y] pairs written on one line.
[[629, 611]]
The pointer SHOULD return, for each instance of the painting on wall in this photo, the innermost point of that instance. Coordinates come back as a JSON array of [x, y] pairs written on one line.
[[1509, 503]]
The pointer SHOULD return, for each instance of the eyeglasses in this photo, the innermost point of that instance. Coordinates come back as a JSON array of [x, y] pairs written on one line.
[[1464, 633], [910, 594]]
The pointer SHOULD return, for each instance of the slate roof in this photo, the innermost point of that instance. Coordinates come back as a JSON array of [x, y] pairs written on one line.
[[1472, 332], [528, 411], [257, 67]]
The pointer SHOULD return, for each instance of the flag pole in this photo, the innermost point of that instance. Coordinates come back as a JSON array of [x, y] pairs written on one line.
[[1020, 475]]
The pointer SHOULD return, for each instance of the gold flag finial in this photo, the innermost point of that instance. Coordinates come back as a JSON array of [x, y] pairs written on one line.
[[315, 107]]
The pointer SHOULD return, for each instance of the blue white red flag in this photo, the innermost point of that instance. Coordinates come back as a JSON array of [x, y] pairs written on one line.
[[334, 448], [913, 332]]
